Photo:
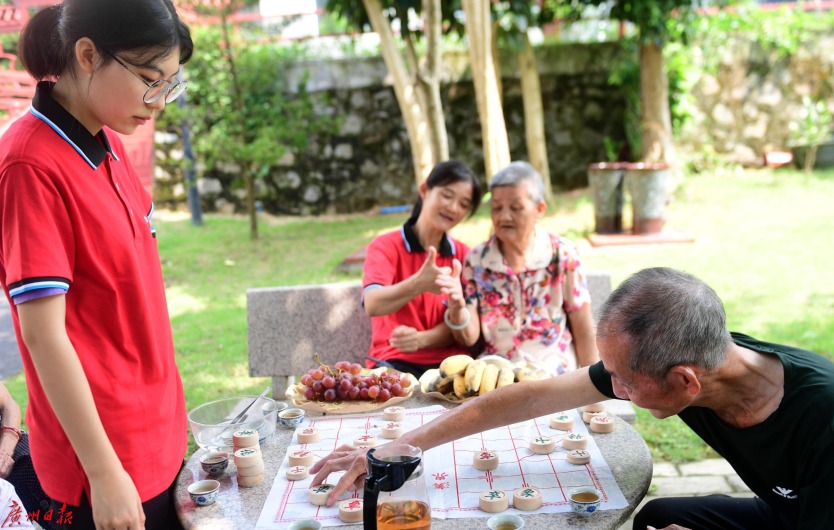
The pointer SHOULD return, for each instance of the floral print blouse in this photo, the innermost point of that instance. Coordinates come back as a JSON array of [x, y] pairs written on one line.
[[524, 316]]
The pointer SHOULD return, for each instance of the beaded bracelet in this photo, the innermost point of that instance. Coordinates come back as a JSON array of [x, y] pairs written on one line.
[[15, 430], [457, 327]]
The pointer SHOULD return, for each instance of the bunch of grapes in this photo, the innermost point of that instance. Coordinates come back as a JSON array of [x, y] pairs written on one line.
[[344, 380]]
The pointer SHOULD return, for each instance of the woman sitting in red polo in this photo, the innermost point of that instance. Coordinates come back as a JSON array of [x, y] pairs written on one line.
[[406, 269]]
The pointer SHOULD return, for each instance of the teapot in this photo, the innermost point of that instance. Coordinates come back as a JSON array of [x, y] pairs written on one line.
[[395, 489]]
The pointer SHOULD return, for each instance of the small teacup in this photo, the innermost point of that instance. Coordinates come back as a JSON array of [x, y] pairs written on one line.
[[505, 521], [291, 417], [585, 500], [215, 462], [204, 492], [306, 524], [276, 406]]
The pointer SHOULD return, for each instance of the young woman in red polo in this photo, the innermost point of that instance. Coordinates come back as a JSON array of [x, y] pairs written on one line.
[[79, 263], [400, 288]]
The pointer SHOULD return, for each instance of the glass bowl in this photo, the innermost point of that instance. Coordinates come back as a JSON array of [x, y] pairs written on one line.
[[211, 422]]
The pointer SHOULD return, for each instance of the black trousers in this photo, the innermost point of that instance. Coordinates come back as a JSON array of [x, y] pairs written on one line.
[[160, 514], [711, 512]]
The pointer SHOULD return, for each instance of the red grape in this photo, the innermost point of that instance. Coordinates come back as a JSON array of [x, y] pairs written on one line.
[[310, 394], [355, 368], [342, 393], [345, 384], [363, 393], [330, 395], [354, 393], [386, 385], [342, 365], [307, 380], [318, 388], [373, 392], [328, 382], [397, 390], [384, 394], [317, 375]]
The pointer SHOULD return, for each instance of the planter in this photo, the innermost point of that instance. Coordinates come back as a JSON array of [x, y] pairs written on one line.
[[606, 180], [825, 155], [647, 185]]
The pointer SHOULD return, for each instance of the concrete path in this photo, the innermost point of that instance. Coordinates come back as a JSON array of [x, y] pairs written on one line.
[[10, 363], [693, 479]]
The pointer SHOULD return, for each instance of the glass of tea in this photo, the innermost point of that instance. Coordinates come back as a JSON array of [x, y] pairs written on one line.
[[395, 482], [505, 521]]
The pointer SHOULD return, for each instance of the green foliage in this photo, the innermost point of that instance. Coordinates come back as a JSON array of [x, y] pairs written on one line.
[[270, 120], [814, 125], [352, 12], [515, 17]]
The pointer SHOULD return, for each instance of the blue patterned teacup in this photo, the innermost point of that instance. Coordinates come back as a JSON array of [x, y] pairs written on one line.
[[204, 492], [585, 500], [214, 462]]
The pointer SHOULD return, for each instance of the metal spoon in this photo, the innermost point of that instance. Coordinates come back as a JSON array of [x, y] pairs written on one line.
[[242, 416]]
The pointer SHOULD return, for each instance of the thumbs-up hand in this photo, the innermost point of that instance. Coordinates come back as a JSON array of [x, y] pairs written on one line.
[[426, 278], [451, 286]]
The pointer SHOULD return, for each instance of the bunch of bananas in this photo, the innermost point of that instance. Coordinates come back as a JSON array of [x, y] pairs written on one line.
[[461, 376]]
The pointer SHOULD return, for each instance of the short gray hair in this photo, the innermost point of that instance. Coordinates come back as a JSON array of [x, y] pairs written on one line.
[[669, 318], [517, 173]]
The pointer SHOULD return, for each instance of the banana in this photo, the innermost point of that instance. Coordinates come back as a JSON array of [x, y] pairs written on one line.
[[474, 374], [442, 384], [426, 379], [460, 386], [456, 364], [489, 379], [529, 373], [497, 360], [505, 377]]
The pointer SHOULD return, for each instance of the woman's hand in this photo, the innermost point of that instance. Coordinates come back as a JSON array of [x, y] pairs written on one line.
[[347, 458], [451, 286], [405, 338], [426, 279], [116, 503]]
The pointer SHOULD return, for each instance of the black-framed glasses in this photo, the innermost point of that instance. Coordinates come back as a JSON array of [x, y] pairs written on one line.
[[158, 88]]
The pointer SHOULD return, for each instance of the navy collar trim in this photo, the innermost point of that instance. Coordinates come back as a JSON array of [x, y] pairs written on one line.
[[93, 149], [412, 243]]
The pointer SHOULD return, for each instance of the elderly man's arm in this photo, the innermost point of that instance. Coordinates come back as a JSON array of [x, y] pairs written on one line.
[[509, 404], [584, 336]]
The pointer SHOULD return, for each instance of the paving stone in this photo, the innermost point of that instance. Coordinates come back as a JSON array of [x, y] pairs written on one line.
[[675, 486], [713, 466], [665, 469]]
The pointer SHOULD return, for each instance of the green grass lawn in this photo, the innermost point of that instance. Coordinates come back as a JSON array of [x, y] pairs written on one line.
[[763, 241]]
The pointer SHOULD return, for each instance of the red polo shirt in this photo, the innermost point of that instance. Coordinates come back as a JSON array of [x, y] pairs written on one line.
[[76, 222], [390, 259]]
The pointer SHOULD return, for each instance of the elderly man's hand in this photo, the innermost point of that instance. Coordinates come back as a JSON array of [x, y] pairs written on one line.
[[347, 458]]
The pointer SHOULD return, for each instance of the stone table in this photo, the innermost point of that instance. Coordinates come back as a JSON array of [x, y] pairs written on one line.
[[624, 451]]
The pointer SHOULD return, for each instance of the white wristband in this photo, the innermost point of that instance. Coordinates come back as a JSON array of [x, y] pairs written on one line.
[[457, 327]]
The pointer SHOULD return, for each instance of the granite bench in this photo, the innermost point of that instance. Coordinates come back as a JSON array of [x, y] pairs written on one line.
[[287, 326]]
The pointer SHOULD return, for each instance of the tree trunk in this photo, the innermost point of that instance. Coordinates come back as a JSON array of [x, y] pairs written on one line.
[[496, 61], [658, 143], [430, 77], [531, 91], [249, 179], [413, 113], [493, 128]]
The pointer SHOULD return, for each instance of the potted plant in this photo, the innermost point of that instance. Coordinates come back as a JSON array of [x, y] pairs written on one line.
[[812, 143], [606, 181]]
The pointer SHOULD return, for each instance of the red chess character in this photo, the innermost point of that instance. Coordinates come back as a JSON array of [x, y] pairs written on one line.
[[301, 453], [441, 485], [354, 504], [486, 455], [307, 431], [392, 426], [440, 476], [296, 470]]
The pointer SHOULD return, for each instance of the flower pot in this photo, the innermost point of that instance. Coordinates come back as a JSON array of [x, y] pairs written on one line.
[[647, 185], [824, 159], [606, 180]]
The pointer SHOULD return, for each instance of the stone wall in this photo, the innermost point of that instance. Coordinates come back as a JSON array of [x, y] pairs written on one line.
[[748, 100], [368, 162]]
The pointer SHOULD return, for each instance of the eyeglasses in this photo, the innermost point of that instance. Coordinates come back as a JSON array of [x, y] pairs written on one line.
[[158, 88]]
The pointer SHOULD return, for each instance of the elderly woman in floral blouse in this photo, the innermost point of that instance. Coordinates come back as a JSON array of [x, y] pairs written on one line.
[[524, 289]]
